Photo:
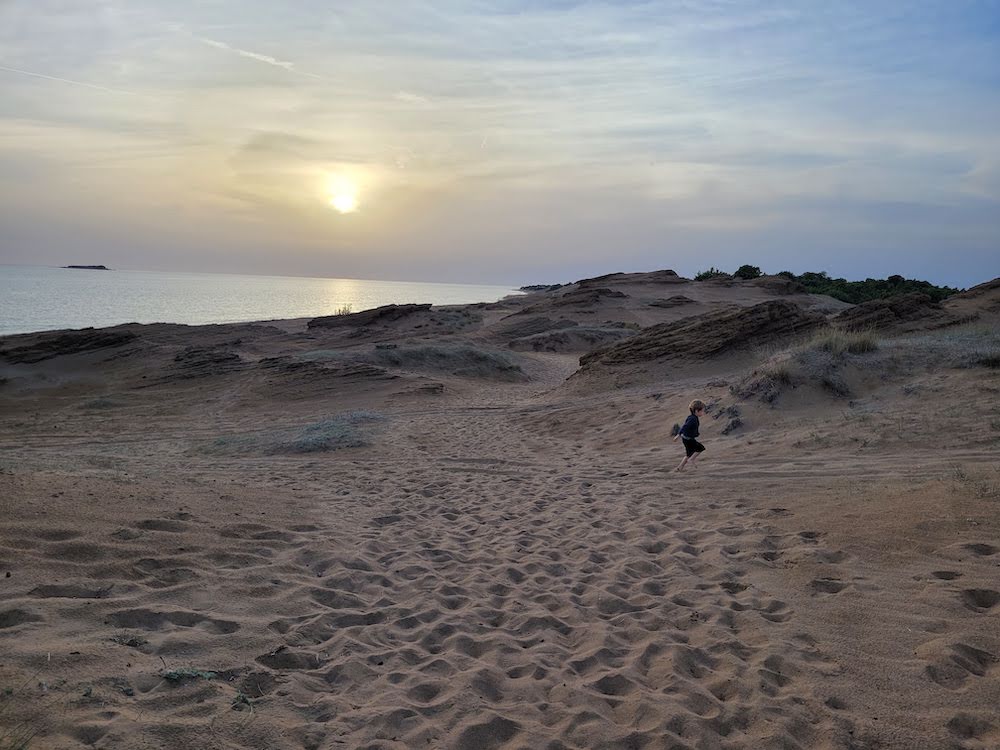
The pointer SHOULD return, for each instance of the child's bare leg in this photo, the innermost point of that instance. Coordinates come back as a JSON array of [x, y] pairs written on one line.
[[683, 462]]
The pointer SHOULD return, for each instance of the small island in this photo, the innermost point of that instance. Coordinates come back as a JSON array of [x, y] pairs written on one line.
[[90, 268]]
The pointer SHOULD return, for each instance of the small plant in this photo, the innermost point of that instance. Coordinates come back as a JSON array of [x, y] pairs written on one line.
[[127, 639], [978, 480], [343, 310], [242, 702], [780, 372]]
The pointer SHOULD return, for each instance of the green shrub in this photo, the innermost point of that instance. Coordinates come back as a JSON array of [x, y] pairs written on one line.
[[711, 273], [988, 360], [856, 292], [748, 272]]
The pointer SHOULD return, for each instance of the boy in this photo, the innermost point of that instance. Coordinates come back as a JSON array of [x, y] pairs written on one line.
[[689, 434]]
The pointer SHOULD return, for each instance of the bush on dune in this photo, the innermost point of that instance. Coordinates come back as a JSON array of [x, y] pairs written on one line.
[[855, 292], [712, 273], [748, 272]]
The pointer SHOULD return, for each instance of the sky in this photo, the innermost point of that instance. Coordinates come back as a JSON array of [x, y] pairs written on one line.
[[502, 142]]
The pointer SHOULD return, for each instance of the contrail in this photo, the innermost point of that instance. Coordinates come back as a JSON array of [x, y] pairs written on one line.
[[283, 64], [67, 80]]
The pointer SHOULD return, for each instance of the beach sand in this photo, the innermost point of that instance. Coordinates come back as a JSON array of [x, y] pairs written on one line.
[[434, 529]]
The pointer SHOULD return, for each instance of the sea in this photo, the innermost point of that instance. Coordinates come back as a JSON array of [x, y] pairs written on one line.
[[36, 298]]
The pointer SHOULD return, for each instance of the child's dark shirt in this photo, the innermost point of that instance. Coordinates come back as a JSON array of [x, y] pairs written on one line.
[[690, 428]]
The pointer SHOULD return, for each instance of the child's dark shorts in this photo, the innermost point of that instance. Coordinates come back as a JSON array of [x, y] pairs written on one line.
[[692, 446]]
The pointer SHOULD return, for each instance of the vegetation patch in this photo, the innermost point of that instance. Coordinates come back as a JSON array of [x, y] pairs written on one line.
[[102, 403], [838, 342], [963, 347], [832, 357], [454, 359], [855, 292], [347, 430]]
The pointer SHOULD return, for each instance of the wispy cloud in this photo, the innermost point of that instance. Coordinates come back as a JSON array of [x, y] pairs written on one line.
[[266, 59], [566, 125], [410, 98], [70, 81]]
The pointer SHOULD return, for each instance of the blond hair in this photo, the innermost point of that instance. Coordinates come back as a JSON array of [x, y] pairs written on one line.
[[696, 405]]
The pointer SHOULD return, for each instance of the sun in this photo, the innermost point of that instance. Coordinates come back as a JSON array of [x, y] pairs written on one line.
[[345, 203]]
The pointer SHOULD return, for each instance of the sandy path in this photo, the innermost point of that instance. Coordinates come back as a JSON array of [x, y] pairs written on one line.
[[470, 582]]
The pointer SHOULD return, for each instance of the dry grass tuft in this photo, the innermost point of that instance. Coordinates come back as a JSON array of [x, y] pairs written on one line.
[[18, 737], [836, 341]]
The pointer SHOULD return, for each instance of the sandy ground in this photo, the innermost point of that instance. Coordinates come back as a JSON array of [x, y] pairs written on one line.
[[505, 563]]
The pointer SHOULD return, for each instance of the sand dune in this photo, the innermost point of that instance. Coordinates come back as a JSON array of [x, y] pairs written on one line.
[[294, 536]]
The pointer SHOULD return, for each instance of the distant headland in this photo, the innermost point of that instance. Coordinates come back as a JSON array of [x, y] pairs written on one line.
[[89, 268]]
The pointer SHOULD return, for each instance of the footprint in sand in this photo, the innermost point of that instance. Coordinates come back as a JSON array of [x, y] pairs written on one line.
[[946, 575], [11, 618], [981, 549], [968, 726], [827, 585], [149, 619], [962, 661]]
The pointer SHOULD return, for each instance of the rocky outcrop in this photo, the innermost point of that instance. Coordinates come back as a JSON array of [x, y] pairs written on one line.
[[515, 327], [779, 285], [377, 316], [678, 300], [203, 361], [587, 296], [987, 294], [573, 339], [898, 312], [595, 280], [285, 370], [540, 287], [666, 276], [577, 300], [711, 334], [37, 347], [462, 360]]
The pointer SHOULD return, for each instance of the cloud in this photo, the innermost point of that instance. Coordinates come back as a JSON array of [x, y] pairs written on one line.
[[267, 59], [84, 84], [690, 121], [408, 98]]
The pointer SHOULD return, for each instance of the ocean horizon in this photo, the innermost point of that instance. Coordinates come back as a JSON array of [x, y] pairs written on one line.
[[42, 298]]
